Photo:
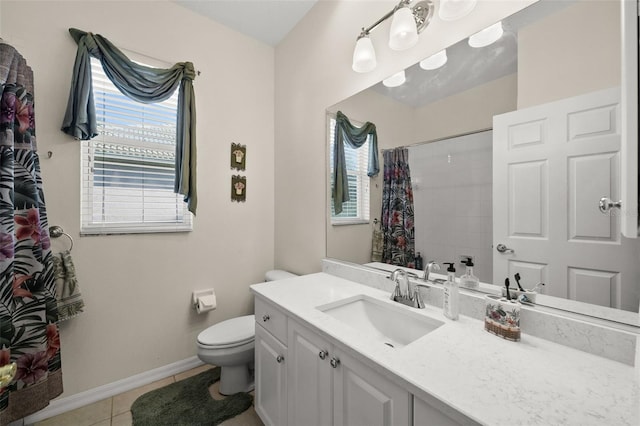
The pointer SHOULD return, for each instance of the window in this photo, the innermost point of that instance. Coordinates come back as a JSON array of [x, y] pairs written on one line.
[[128, 170], [356, 210]]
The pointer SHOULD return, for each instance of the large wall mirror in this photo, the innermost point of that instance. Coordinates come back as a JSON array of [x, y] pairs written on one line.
[[468, 196]]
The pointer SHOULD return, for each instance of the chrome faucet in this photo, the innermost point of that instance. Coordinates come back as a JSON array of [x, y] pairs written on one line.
[[431, 266], [401, 279], [405, 292]]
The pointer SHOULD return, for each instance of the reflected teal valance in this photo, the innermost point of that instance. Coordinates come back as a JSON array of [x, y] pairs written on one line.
[[140, 83], [355, 137]]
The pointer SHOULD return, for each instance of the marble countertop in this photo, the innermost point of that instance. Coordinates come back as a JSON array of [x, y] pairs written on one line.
[[486, 378]]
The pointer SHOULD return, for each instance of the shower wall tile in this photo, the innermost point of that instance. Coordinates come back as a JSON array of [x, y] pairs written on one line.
[[452, 182]]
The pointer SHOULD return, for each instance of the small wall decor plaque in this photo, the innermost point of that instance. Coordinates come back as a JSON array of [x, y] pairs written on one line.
[[238, 156], [238, 188]]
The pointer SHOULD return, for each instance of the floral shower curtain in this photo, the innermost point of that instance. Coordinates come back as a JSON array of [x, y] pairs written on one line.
[[28, 311], [397, 209]]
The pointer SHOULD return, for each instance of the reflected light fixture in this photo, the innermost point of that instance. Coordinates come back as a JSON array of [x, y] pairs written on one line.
[[407, 23], [450, 10], [434, 61], [487, 36], [395, 80]]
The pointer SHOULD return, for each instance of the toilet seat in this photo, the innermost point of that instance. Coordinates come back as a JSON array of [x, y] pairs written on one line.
[[229, 333]]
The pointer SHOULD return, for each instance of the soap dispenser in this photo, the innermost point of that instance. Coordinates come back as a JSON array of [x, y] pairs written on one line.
[[468, 279], [451, 295]]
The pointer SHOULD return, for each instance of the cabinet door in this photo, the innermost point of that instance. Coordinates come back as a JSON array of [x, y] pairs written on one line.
[[271, 379], [363, 397], [309, 378]]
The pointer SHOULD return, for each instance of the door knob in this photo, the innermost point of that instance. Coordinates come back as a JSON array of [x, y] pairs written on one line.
[[503, 249], [607, 204]]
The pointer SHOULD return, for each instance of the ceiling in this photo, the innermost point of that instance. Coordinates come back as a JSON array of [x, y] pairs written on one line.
[[266, 20]]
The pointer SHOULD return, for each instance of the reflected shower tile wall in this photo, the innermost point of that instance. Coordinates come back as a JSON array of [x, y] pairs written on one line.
[[452, 184]]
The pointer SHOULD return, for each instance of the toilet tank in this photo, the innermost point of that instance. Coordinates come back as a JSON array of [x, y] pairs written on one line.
[[278, 274]]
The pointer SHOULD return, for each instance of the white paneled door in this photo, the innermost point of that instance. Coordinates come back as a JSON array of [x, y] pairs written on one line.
[[552, 163]]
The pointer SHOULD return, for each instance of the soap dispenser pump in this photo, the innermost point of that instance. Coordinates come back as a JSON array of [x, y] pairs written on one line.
[[451, 295], [468, 279]]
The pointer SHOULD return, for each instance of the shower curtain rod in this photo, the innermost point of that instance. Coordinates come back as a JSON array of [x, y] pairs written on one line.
[[413, 145]]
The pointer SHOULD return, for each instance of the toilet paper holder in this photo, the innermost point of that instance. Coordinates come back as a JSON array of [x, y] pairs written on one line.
[[204, 300]]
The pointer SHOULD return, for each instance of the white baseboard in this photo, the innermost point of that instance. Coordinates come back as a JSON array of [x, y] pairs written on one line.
[[62, 405]]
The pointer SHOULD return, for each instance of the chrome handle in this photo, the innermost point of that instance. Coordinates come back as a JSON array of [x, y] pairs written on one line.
[[323, 354], [607, 204], [334, 362], [280, 359], [503, 249], [265, 318]]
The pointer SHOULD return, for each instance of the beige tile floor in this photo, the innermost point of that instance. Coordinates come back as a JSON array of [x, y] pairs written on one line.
[[115, 411]]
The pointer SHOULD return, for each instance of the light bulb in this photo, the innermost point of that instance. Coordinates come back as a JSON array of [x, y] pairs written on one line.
[[487, 36], [451, 10], [364, 55], [404, 31], [395, 80], [434, 61]]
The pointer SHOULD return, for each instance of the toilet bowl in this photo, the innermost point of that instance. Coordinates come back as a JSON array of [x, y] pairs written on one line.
[[230, 345]]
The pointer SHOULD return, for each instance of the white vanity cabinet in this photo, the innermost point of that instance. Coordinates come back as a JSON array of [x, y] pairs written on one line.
[[303, 378], [329, 387], [270, 364]]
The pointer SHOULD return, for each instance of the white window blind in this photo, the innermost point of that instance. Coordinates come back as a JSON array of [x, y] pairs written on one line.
[[128, 170], [356, 210]]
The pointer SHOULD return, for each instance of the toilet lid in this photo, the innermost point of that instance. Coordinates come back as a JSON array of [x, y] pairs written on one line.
[[234, 331]]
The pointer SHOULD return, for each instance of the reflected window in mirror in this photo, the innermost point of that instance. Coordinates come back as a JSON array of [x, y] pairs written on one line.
[[356, 210]]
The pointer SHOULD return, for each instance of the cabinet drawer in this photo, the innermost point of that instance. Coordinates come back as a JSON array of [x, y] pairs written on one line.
[[273, 320]]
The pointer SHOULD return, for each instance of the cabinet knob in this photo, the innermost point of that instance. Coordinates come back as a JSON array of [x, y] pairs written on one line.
[[334, 362], [323, 354], [265, 318], [280, 359]]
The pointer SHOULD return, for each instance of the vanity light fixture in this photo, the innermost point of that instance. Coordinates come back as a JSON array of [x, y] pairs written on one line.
[[403, 33], [395, 80], [434, 61], [364, 55], [451, 10], [487, 36], [407, 23]]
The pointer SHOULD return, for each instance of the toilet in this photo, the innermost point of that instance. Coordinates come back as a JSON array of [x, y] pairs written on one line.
[[230, 345]]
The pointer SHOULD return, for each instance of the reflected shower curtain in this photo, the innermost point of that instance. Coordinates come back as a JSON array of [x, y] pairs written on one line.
[[28, 310], [397, 209]]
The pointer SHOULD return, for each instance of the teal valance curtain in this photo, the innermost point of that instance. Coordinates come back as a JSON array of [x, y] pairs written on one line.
[[143, 84], [355, 137]]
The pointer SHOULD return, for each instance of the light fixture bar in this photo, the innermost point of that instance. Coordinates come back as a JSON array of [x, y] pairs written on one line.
[[422, 13], [380, 21], [364, 54]]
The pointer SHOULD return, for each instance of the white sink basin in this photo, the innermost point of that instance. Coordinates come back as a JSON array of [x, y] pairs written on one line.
[[390, 323]]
